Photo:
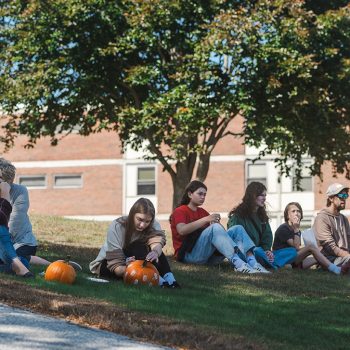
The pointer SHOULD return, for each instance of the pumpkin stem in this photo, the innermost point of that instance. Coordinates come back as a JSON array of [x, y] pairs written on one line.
[[67, 259], [144, 263]]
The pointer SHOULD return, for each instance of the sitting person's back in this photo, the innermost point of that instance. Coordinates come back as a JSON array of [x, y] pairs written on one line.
[[20, 226]]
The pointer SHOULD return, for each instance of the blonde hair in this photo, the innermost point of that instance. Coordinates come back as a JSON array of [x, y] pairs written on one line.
[[8, 170]]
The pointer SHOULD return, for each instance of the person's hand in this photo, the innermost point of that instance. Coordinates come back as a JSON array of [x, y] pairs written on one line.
[[152, 256], [295, 223], [270, 256], [214, 218], [129, 260]]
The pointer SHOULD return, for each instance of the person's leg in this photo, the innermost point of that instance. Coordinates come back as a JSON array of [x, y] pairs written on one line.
[[262, 258], [284, 256], [239, 235], [8, 252], [9, 256], [246, 247], [211, 239], [29, 253], [105, 272], [36, 260], [215, 238], [165, 272]]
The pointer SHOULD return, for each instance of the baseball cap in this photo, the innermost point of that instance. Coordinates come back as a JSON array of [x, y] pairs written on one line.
[[335, 188]]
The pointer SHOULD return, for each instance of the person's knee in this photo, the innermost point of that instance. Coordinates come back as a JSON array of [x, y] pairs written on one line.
[[311, 248], [217, 229]]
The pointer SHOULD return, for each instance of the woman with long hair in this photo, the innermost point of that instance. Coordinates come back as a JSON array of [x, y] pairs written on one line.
[[289, 235], [252, 215], [137, 236], [199, 238]]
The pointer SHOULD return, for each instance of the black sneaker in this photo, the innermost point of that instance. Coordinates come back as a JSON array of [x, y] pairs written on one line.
[[171, 286]]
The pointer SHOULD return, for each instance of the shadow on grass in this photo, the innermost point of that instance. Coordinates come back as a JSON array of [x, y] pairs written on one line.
[[289, 309]]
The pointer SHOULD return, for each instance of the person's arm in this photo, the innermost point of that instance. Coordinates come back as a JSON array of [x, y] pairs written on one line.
[[114, 253], [295, 241], [20, 207], [323, 232], [156, 243], [185, 229], [266, 239]]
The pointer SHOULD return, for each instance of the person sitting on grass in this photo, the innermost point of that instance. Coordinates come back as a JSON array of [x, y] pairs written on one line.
[[289, 235], [137, 236], [19, 224], [10, 262], [332, 229], [251, 214], [199, 238], [20, 227]]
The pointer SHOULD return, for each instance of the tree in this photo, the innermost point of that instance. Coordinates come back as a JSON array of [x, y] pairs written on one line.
[[171, 75]]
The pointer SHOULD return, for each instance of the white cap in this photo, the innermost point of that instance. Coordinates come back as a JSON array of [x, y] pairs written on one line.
[[335, 188]]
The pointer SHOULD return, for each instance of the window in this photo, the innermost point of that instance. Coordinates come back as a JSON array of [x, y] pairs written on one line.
[[146, 181], [305, 181], [306, 223], [32, 181], [71, 181], [257, 172]]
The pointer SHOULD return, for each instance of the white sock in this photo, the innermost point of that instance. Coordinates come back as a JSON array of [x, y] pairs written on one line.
[[334, 268], [161, 280], [169, 277], [251, 260]]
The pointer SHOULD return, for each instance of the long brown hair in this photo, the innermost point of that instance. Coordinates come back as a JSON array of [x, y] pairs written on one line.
[[141, 206], [191, 187], [248, 205]]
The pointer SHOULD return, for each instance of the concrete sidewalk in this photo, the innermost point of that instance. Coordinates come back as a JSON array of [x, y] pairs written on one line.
[[22, 330]]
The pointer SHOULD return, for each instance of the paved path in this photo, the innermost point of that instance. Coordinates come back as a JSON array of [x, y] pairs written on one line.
[[22, 330]]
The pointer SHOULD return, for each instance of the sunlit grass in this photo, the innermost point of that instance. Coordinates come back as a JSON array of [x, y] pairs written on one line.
[[287, 309]]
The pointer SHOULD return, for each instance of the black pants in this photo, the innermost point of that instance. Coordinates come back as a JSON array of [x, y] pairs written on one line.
[[140, 251]]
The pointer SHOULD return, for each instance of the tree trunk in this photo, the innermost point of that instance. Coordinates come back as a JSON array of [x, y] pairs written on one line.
[[184, 173], [203, 167]]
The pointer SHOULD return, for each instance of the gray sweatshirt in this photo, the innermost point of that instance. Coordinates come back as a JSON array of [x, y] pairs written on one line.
[[112, 249], [332, 232], [19, 224]]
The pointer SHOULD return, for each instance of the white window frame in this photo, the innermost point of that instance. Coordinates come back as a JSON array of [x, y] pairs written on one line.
[[146, 182], [67, 176], [303, 177], [258, 179], [44, 186]]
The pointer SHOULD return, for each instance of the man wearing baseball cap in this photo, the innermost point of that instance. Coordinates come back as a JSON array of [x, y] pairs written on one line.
[[332, 228]]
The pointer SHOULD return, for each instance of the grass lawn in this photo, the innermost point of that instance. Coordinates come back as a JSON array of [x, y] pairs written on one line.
[[288, 309]]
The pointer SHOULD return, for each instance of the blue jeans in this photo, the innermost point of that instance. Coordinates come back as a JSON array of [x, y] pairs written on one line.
[[7, 252], [215, 237], [282, 257]]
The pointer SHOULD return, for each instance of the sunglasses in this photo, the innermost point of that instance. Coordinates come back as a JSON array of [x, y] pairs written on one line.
[[343, 195]]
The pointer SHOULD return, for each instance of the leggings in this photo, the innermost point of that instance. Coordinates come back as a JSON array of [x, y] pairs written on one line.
[[139, 250], [7, 251]]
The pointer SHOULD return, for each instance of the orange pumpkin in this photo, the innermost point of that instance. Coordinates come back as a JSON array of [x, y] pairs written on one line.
[[141, 272], [60, 271]]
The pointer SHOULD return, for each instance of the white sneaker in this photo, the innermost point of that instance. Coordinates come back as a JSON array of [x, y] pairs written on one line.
[[260, 268], [245, 268]]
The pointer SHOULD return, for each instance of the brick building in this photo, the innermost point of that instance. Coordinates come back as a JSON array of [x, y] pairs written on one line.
[[90, 177]]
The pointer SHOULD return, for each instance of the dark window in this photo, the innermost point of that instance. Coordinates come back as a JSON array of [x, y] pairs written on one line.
[[146, 181], [33, 181]]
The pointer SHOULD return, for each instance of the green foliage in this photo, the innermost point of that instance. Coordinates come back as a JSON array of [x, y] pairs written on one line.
[[170, 76]]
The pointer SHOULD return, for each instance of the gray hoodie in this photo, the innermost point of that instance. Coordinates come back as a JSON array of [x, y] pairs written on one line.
[[332, 232], [19, 224]]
